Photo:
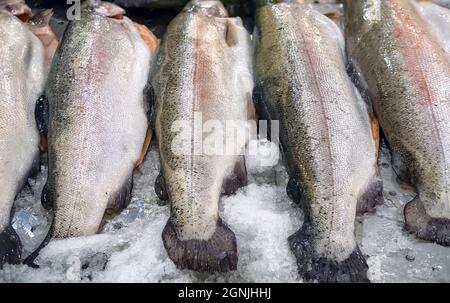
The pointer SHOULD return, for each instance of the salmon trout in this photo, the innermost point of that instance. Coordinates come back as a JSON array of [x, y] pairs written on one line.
[[408, 78], [326, 136], [97, 121], [22, 78], [204, 68]]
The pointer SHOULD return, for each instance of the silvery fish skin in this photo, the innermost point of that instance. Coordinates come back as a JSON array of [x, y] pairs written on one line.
[[437, 19], [22, 78], [204, 67], [97, 121], [325, 134], [408, 79]]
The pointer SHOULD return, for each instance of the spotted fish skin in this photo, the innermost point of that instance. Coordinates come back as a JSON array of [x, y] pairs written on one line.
[[97, 120], [22, 79], [204, 67], [408, 78], [325, 134]]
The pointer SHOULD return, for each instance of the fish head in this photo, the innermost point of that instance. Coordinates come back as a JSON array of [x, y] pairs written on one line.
[[17, 8], [211, 8]]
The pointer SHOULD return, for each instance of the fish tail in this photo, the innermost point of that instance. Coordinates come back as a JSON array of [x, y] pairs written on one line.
[[315, 267], [217, 254], [425, 227], [371, 197], [121, 199], [10, 247], [32, 257]]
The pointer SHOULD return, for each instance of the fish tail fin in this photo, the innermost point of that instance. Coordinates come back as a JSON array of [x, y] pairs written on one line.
[[425, 227], [122, 198], [315, 267], [371, 197], [237, 178], [32, 257], [217, 254], [10, 247]]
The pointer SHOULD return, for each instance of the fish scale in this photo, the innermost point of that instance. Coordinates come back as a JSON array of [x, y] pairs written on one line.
[[97, 120]]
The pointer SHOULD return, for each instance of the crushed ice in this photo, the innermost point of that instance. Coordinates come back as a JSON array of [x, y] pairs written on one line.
[[129, 247]]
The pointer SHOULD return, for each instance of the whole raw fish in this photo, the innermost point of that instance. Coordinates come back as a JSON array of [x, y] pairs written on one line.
[[204, 68], [97, 121], [326, 136], [408, 79], [22, 79]]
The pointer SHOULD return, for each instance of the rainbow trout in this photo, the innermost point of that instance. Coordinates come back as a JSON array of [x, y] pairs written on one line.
[[97, 121], [22, 80], [204, 68], [408, 79], [326, 136]]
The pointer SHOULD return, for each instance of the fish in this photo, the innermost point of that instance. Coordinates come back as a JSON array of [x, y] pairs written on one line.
[[328, 139], [437, 19], [22, 80], [407, 74], [98, 106], [205, 68]]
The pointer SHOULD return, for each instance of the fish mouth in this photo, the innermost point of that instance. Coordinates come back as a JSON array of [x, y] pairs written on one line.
[[210, 8]]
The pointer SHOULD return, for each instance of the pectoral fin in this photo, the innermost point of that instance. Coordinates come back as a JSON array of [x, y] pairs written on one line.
[[375, 130], [236, 179], [145, 147], [148, 37]]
